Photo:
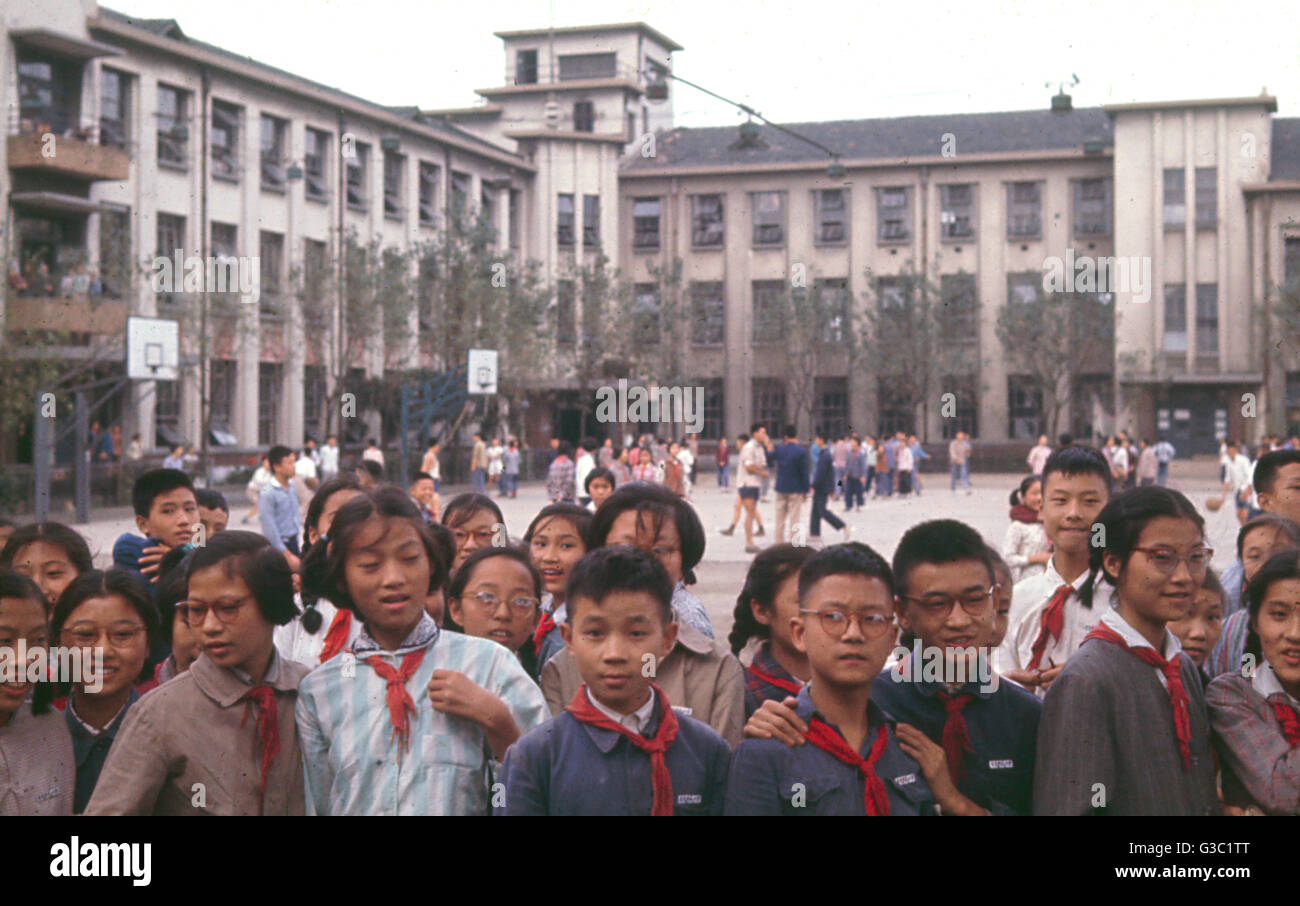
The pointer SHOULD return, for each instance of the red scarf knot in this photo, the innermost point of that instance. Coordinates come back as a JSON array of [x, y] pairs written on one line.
[[790, 686], [544, 626], [1286, 716], [261, 699], [823, 737], [956, 738], [1051, 624], [400, 707], [660, 780], [337, 635], [1171, 669]]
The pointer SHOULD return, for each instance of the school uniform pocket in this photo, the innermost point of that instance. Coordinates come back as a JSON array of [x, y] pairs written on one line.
[[812, 794]]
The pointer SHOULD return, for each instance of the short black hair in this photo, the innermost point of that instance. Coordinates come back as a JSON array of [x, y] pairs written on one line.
[[171, 587], [852, 557], [1267, 467], [73, 544], [938, 541], [101, 583], [619, 568], [564, 448], [462, 508], [790, 431], [1281, 566], [769, 568], [1070, 461], [375, 469], [211, 500], [277, 453], [1124, 518], [153, 483], [16, 585], [1280, 524], [597, 474], [654, 503], [421, 476], [250, 557], [461, 579], [755, 428]]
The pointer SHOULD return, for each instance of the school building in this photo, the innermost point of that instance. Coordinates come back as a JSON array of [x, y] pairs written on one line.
[[167, 142]]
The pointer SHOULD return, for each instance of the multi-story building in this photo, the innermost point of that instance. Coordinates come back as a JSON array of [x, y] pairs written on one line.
[[169, 142]]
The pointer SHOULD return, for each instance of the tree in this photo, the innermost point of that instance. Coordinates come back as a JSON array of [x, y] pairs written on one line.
[[1054, 338]]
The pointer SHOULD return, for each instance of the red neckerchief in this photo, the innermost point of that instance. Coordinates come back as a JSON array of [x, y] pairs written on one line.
[[400, 706], [790, 686], [823, 737], [1286, 716], [1022, 513], [544, 626], [955, 738], [661, 781], [337, 635], [1173, 675], [261, 698], [1051, 624]]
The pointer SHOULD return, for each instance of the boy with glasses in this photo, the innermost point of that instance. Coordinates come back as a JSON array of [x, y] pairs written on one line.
[[849, 761]]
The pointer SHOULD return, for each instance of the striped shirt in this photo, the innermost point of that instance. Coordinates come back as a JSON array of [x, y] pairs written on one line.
[[351, 762]]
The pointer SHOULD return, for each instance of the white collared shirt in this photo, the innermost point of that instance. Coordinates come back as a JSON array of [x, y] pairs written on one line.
[[637, 721], [72, 709], [1134, 639], [1266, 683], [1028, 601]]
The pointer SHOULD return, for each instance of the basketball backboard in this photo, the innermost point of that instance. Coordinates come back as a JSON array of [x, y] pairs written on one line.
[[152, 349]]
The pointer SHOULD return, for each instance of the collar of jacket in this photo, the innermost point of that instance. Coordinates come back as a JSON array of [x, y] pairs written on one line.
[[226, 689]]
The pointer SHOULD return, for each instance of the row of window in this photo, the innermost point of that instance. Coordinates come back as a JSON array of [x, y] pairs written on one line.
[[1207, 319], [894, 215], [1205, 182]]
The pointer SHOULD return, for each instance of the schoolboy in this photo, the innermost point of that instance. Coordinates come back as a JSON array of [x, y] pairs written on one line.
[[854, 765], [214, 512], [1053, 611], [618, 748], [166, 511]]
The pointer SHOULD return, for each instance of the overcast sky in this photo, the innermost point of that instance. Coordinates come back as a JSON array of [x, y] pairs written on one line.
[[792, 61]]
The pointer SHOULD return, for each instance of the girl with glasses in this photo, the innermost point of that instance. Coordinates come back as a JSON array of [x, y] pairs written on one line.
[[1125, 730], [109, 617], [220, 738]]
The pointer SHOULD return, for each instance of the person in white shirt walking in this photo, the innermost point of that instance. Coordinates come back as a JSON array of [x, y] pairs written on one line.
[[1037, 457], [329, 459]]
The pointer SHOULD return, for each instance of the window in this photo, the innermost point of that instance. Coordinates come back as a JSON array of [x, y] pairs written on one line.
[[966, 405], [273, 129], [428, 194], [116, 265], [832, 212], [708, 314], [313, 400], [526, 67], [713, 406], [316, 151], [894, 214], [959, 313], [645, 313], [173, 127], [1207, 198], [564, 221], [896, 413], [223, 238], [565, 322], [224, 138], [270, 248], [584, 116], [1024, 408], [833, 308], [315, 270], [706, 221], [769, 218], [221, 392], [1175, 317], [114, 108], [1207, 319], [957, 211], [358, 177], [591, 221], [889, 293], [769, 311], [831, 406], [171, 241], [645, 224], [460, 186], [769, 402], [1023, 288], [394, 185], [587, 66], [167, 408], [269, 390], [1092, 207], [487, 201], [516, 212], [1024, 210], [1291, 260], [1175, 200]]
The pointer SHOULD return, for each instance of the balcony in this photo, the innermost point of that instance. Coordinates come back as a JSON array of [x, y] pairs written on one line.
[[78, 314], [73, 154]]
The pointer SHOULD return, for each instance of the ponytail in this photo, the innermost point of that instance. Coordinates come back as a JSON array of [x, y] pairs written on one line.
[[766, 573]]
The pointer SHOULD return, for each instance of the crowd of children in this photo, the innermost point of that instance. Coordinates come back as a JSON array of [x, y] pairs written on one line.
[[398, 658]]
